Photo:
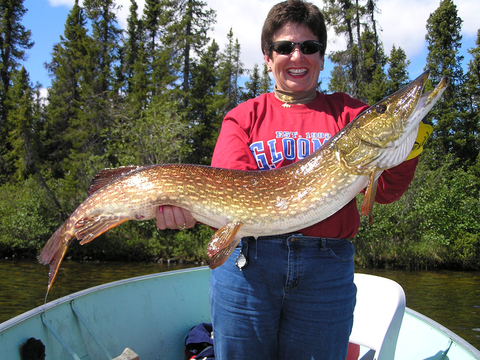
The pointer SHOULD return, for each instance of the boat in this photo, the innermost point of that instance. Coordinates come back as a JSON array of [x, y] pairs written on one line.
[[150, 317]]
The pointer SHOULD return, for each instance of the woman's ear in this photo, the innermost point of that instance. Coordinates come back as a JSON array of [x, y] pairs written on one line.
[[322, 63], [268, 61]]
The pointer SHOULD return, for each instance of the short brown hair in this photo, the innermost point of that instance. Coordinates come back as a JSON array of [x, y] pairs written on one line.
[[295, 11]]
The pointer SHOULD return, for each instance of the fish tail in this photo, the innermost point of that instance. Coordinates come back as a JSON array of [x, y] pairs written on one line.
[[85, 230], [54, 251]]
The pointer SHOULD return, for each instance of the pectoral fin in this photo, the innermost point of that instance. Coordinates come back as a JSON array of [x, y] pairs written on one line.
[[222, 256], [369, 198], [88, 228], [222, 243]]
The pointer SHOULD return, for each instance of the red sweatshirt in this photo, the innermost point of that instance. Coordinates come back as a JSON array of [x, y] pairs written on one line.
[[262, 134]]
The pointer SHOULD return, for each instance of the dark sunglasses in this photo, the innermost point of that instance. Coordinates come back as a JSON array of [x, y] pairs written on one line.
[[307, 47]]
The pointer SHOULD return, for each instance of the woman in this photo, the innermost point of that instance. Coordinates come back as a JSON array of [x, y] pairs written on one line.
[[289, 296]]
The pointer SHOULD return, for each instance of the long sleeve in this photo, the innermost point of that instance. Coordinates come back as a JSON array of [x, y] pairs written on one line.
[[393, 183], [232, 150]]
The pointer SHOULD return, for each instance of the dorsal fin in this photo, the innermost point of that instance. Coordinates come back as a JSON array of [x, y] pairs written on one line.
[[106, 176]]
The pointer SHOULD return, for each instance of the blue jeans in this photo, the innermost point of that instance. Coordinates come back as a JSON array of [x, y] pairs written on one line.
[[294, 300]]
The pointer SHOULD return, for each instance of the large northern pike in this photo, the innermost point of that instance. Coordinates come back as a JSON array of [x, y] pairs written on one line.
[[256, 203]]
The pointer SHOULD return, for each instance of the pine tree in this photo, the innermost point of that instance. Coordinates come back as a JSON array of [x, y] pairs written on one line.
[[135, 65], [344, 16], [14, 40], [444, 42], [189, 34], [397, 73], [70, 59], [207, 105], [158, 15], [132, 46], [359, 70], [99, 83], [24, 126], [230, 69], [471, 114], [266, 81], [252, 86], [372, 85]]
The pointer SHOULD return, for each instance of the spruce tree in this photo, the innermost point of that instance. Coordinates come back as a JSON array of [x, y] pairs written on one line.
[[397, 73], [471, 114], [252, 86], [23, 125], [230, 70], [443, 59], [133, 42], [359, 69], [158, 15], [135, 65], [187, 36], [98, 85], [266, 81], [343, 16], [68, 68], [372, 85], [207, 105], [14, 40]]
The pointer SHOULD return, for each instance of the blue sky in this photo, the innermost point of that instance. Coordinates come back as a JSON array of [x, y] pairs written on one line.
[[402, 24]]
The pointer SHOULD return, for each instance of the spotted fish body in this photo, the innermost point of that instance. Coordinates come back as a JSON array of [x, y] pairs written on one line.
[[255, 203]]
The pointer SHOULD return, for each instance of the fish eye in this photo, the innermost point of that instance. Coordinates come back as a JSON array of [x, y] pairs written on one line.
[[381, 108]]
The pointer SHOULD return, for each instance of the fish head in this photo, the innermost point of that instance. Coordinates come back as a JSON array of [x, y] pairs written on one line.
[[388, 119], [383, 135]]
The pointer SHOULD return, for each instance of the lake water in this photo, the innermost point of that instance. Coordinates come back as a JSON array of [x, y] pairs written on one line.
[[451, 298]]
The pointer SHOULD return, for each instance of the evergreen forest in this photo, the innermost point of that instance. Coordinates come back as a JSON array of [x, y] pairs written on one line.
[[156, 92]]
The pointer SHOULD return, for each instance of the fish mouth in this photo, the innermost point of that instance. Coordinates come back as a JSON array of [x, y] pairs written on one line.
[[414, 92], [411, 92], [433, 95]]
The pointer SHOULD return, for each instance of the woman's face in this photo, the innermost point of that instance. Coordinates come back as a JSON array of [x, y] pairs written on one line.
[[295, 71]]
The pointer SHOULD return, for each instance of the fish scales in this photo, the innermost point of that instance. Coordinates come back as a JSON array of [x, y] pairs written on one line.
[[255, 203]]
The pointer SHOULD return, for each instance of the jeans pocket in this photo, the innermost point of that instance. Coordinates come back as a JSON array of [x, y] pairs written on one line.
[[342, 250]]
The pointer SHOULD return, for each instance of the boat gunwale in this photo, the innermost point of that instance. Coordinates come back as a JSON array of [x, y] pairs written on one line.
[[439, 327], [38, 311]]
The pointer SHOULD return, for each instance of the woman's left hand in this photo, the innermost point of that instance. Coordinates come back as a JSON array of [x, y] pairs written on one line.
[[173, 217]]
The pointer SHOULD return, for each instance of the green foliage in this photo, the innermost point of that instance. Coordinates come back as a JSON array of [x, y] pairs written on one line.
[[436, 223], [157, 93], [26, 218], [158, 136]]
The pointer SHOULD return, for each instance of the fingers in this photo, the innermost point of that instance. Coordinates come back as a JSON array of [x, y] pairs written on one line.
[[172, 217], [189, 220]]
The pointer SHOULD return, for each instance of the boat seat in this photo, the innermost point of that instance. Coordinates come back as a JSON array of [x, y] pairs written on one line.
[[378, 316], [128, 354]]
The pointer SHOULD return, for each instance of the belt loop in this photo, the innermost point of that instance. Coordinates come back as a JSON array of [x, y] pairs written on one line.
[[324, 243]]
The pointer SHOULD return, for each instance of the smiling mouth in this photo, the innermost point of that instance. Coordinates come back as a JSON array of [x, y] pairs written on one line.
[[297, 72]]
